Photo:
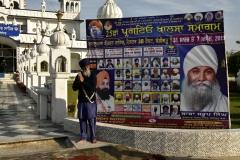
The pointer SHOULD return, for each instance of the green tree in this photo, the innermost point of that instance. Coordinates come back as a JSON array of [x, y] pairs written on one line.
[[233, 64]]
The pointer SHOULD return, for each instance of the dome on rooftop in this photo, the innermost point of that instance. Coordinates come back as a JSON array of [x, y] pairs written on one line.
[[109, 10]]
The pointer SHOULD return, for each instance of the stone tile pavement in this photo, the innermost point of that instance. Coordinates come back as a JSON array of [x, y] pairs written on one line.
[[19, 124]]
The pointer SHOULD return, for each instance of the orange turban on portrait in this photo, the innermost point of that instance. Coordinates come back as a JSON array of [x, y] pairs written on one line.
[[101, 76], [95, 23]]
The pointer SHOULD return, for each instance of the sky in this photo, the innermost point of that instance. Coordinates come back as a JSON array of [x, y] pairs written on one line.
[[137, 8]]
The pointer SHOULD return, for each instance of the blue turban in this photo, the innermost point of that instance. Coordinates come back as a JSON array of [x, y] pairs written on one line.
[[118, 60], [109, 60], [127, 71], [84, 62], [136, 59], [164, 59]]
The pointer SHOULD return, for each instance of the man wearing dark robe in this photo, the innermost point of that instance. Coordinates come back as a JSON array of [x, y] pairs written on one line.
[[85, 83]]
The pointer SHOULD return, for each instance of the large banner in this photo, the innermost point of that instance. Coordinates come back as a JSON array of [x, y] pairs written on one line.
[[161, 71]]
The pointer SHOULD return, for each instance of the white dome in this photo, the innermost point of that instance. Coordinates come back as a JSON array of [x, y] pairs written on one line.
[[33, 53], [109, 10], [59, 39], [43, 49], [27, 56]]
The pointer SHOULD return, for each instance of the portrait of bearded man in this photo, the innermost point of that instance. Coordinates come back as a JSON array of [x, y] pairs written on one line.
[[105, 101], [200, 88], [145, 63], [136, 63]]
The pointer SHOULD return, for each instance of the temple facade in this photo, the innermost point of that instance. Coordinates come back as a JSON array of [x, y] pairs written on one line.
[[31, 25]]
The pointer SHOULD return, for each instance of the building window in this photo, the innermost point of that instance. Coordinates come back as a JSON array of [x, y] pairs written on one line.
[[16, 5]]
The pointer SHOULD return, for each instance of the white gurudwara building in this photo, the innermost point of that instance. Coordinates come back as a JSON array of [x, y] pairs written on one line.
[[32, 22]]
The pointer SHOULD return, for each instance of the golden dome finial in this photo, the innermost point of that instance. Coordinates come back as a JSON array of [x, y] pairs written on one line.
[[59, 15]]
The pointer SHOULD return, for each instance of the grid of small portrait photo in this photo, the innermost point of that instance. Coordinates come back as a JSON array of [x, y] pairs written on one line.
[[144, 84]]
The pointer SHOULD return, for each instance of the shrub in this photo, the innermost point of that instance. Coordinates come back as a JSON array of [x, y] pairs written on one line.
[[233, 87]]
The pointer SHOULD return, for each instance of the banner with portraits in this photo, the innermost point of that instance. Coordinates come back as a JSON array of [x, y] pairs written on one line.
[[161, 71]]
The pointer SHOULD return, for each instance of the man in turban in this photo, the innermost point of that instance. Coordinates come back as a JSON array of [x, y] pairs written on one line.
[[165, 98], [105, 101], [175, 111], [118, 74], [136, 99], [155, 73], [175, 61], [95, 28], [165, 74], [109, 64], [165, 110], [176, 99], [128, 74], [155, 98], [155, 62], [137, 86], [118, 64], [200, 88], [165, 62], [175, 74], [136, 63], [101, 64], [146, 86], [118, 86], [165, 86], [127, 85], [85, 82], [128, 98], [127, 64], [145, 63], [118, 98], [175, 85], [146, 98], [146, 74], [155, 86], [136, 74]]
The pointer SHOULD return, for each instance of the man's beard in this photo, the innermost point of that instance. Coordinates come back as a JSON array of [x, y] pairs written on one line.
[[127, 87], [103, 93], [155, 74], [175, 100], [137, 76], [137, 64], [176, 87], [174, 63], [198, 97], [165, 101], [87, 73]]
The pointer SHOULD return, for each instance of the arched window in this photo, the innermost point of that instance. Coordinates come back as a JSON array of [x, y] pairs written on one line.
[[67, 7], [16, 5], [76, 7]]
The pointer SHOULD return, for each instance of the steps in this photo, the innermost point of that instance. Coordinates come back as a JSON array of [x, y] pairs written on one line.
[[8, 77]]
